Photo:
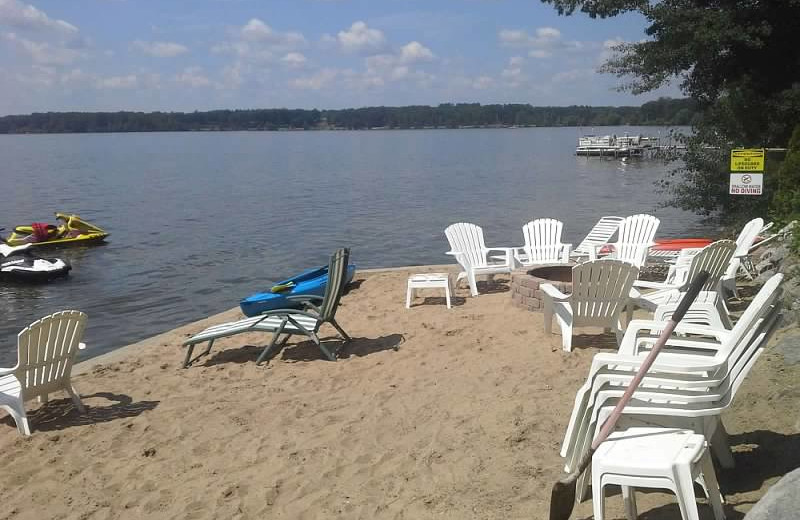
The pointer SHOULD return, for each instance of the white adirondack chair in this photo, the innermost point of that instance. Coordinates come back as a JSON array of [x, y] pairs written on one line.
[[470, 251], [46, 352], [600, 291], [709, 307], [636, 234], [599, 236], [543, 243], [744, 242]]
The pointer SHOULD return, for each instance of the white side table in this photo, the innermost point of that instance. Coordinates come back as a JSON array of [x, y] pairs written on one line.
[[428, 281]]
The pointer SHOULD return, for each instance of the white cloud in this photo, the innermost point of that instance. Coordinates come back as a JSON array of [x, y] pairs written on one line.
[[317, 81], [361, 39], [415, 51], [118, 82], [193, 77], [515, 61], [294, 59], [542, 43], [24, 16], [572, 75], [161, 49], [258, 32], [45, 53]]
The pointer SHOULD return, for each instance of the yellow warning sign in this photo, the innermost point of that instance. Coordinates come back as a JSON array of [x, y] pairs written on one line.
[[747, 160]]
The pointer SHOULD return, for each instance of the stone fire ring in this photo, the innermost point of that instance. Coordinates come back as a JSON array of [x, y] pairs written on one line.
[[525, 284]]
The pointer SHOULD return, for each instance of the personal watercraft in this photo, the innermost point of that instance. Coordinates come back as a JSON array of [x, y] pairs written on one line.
[[20, 265], [71, 229]]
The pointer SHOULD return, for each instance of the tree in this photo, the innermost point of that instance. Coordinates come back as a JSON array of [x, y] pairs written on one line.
[[738, 59]]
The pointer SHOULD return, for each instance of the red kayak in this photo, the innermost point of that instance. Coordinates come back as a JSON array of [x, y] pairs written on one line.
[[669, 244]]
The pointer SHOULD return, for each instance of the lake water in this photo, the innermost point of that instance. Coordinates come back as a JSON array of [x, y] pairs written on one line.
[[200, 220]]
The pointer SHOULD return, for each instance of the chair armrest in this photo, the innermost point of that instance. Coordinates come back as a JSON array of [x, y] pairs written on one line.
[[552, 292], [6, 371], [644, 284], [284, 312], [81, 346], [306, 299], [703, 364], [506, 250], [636, 326]]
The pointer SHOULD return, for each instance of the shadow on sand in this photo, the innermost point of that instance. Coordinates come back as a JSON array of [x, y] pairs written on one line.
[[306, 350], [60, 414]]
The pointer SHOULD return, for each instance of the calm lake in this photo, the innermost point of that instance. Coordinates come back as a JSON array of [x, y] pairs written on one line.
[[200, 220]]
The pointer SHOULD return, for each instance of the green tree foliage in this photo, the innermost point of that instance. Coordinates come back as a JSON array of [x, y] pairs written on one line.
[[739, 59], [786, 201], [664, 111]]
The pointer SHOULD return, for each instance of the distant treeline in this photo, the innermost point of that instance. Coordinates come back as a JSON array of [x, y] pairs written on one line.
[[664, 111]]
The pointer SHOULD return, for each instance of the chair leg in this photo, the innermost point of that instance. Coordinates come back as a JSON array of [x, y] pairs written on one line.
[[548, 317], [330, 355], [188, 358], [712, 486], [409, 290], [629, 501], [721, 448], [341, 331], [275, 336], [473, 285], [76, 399], [17, 411]]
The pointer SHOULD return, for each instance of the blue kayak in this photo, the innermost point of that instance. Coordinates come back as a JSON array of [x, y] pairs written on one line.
[[311, 282]]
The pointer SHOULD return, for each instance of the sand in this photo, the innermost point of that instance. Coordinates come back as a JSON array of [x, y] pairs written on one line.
[[429, 413]]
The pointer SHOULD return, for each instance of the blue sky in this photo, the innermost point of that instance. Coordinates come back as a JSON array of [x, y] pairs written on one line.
[[205, 54]]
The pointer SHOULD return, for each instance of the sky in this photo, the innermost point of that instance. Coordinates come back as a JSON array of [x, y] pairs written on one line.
[[185, 55]]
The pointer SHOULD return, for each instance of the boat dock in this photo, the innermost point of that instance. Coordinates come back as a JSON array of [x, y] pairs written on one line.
[[621, 146]]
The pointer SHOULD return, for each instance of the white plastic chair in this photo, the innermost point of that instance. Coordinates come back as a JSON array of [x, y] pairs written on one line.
[[543, 243], [599, 236], [46, 352], [635, 236], [600, 291], [744, 242], [470, 251], [714, 259], [666, 458], [694, 372]]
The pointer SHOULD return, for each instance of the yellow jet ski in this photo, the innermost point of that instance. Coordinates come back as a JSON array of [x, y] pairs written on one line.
[[71, 229]]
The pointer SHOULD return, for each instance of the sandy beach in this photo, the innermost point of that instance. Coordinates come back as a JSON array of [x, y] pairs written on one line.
[[429, 413]]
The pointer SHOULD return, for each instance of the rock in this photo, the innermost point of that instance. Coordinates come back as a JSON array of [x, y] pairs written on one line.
[[789, 348], [782, 501]]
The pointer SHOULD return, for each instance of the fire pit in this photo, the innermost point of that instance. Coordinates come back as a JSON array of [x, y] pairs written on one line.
[[525, 291]]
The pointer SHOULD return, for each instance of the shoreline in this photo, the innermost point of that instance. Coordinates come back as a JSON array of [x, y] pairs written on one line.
[[125, 351]]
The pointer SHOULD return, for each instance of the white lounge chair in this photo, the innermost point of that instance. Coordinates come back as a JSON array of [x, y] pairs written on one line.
[[636, 234], [599, 236], [543, 243], [46, 350], [470, 251], [600, 291], [287, 322]]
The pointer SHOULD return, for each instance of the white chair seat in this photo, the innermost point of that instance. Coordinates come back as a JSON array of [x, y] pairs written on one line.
[[10, 387], [655, 458]]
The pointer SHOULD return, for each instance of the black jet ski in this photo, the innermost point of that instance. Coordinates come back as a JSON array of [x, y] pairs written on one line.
[[20, 265]]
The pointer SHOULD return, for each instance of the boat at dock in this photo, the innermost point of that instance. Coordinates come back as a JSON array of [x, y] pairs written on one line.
[[615, 146]]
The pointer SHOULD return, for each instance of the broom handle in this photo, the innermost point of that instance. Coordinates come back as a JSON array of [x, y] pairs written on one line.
[[686, 301]]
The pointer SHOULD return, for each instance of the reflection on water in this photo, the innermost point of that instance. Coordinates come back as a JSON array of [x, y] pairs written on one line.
[[200, 220]]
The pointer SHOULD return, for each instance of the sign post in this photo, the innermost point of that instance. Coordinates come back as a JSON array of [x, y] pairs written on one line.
[[747, 171]]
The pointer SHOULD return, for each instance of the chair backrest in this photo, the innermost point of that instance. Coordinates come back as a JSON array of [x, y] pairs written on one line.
[[600, 234], [636, 234], [337, 269], [600, 290], [747, 236], [714, 258], [467, 239], [46, 351], [543, 240], [745, 327]]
